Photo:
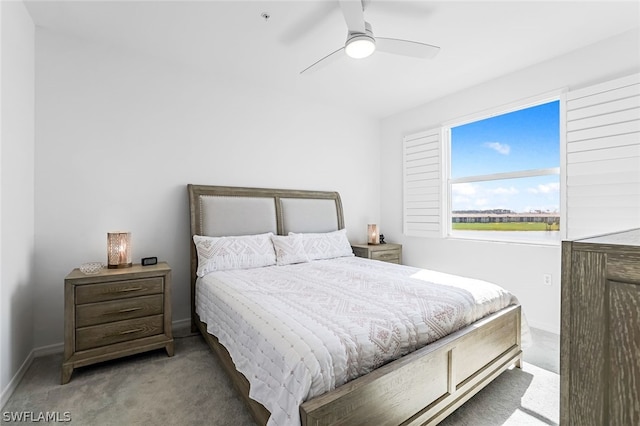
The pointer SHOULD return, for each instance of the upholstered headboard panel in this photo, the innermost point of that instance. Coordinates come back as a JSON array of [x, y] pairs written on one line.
[[228, 215], [225, 210], [309, 215]]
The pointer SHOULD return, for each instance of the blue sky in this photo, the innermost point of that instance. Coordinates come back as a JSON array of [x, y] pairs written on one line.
[[521, 140]]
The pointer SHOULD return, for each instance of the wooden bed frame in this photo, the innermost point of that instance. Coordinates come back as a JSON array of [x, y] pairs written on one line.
[[422, 387]]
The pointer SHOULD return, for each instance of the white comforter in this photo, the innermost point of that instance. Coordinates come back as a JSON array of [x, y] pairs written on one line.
[[301, 330]]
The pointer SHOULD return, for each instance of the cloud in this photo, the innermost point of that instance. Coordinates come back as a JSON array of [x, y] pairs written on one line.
[[546, 209], [464, 189], [518, 197], [504, 191], [500, 148], [545, 189]]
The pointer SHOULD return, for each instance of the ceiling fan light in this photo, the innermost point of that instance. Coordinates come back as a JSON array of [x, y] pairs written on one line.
[[360, 46]]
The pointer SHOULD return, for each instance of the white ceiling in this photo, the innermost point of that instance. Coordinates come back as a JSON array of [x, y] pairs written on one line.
[[479, 41]]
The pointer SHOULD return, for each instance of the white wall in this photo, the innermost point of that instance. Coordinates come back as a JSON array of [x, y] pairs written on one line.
[[518, 268], [17, 193], [118, 137]]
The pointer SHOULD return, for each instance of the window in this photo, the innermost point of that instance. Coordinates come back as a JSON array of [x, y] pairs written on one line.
[[503, 178], [561, 161]]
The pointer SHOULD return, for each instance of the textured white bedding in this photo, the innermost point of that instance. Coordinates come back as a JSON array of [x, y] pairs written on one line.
[[298, 331]]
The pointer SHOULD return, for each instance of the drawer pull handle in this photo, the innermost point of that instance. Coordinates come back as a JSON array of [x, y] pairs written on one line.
[[135, 330], [124, 290], [122, 333], [121, 311]]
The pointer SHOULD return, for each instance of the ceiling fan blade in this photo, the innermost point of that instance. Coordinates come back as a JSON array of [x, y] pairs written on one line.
[[330, 58], [406, 47], [353, 15]]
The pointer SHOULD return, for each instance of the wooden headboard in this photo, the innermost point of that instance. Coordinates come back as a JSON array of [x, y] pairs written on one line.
[[226, 210]]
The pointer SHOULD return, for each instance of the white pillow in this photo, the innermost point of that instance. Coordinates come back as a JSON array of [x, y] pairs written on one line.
[[289, 249], [326, 245], [224, 253]]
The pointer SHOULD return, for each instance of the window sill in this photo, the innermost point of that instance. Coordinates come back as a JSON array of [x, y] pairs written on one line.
[[550, 239]]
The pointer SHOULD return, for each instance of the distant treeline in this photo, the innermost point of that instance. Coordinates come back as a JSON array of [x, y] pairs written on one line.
[[503, 216]]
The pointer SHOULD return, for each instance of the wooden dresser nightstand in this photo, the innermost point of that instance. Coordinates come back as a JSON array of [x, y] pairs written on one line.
[[388, 252], [115, 313]]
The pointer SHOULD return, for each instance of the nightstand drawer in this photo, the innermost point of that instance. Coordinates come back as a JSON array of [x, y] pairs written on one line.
[[386, 256], [116, 332], [118, 290], [118, 310], [388, 252]]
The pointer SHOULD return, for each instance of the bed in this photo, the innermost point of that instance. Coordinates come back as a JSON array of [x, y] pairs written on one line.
[[428, 380]]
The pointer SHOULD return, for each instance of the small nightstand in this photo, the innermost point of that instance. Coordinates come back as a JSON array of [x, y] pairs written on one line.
[[115, 313], [388, 252]]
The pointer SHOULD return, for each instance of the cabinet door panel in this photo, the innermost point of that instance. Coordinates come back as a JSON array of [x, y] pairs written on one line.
[[624, 354]]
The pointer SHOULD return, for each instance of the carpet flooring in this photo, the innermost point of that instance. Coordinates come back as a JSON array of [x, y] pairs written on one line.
[[191, 389]]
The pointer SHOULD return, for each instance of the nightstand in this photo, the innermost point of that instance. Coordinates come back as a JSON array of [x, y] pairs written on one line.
[[388, 252], [115, 313]]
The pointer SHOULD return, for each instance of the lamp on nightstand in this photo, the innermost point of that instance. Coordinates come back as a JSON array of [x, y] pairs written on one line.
[[118, 250], [373, 235]]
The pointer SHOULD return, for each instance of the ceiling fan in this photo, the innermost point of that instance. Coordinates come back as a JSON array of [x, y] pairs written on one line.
[[362, 43]]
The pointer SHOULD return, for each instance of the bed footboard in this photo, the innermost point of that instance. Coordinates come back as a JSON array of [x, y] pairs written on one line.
[[421, 388], [427, 385]]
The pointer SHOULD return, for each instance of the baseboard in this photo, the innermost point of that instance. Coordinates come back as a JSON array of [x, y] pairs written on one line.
[[56, 348], [177, 326], [181, 325], [15, 381], [551, 328]]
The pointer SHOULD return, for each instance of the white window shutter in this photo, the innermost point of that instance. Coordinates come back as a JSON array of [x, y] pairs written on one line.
[[603, 158], [422, 184]]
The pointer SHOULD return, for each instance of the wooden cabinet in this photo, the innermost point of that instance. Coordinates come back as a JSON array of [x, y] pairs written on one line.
[[115, 313], [600, 331], [388, 252]]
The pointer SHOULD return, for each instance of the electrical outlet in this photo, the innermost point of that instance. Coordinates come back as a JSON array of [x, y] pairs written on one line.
[[547, 279]]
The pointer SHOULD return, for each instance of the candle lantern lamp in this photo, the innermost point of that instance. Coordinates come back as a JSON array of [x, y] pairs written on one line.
[[118, 250], [373, 235]]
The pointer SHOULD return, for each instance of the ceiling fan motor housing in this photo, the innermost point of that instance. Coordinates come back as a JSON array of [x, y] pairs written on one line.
[[360, 45]]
